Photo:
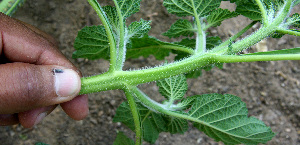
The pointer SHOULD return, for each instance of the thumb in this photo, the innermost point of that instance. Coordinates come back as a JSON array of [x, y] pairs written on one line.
[[26, 86]]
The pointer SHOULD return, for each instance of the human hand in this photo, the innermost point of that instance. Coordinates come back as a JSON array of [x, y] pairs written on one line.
[[35, 76]]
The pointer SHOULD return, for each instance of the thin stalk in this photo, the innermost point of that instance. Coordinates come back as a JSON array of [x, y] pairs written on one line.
[[253, 58], [121, 49], [173, 47], [263, 12], [290, 32], [237, 35], [136, 117], [149, 112], [283, 14], [200, 47], [113, 54]]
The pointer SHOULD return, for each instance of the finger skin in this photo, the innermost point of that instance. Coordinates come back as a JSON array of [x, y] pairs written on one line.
[[21, 42], [80, 111], [8, 119], [29, 118], [26, 86]]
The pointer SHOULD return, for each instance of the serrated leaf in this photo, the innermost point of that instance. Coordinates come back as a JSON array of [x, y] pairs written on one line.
[[147, 46], [138, 29], [278, 52], [123, 114], [177, 125], [212, 42], [219, 15], [173, 88], [294, 20], [180, 28], [150, 133], [122, 139], [112, 15], [250, 9], [225, 118], [186, 102], [128, 7], [92, 43], [196, 8], [152, 123]]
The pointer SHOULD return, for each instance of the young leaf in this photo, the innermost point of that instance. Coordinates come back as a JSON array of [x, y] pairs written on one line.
[[180, 28], [224, 118], [112, 15], [128, 7], [146, 46], [122, 139], [123, 114], [294, 20], [196, 8], [186, 103], [92, 43], [249, 9], [219, 15], [152, 123], [176, 125], [173, 88], [138, 29]]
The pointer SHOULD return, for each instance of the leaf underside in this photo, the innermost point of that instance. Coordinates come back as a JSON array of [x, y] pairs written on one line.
[[173, 88], [225, 118], [92, 43], [122, 139]]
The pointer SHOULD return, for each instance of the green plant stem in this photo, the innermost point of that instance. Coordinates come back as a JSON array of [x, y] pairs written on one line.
[[263, 12], [121, 49], [173, 47], [136, 117], [200, 43], [119, 79], [290, 32], [113, 53], [237, 35], [285, 12]]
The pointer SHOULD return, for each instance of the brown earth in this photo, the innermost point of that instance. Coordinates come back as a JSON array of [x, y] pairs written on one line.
[[271, 90]]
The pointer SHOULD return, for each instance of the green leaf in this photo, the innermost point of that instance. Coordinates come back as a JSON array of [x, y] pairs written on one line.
[[128, 7], [294, 20], [196, 8], [212, 42], [40, 143], [112, 15], [186, 103], [177, 125], [147, 46], [173, 88], [124, 115], [278, 52], [122, 139], [152, 123], [180, 28], [138, 29], [225, 118], [92, 43], [219, 15], [249, 9]]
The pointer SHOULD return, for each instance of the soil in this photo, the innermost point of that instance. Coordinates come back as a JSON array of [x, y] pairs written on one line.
[[271, 90]]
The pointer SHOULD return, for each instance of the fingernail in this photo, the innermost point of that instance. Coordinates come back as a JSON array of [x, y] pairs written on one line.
[[67, 82], [40, 117]]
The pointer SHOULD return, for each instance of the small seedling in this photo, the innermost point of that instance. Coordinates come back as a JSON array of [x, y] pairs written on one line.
[[222, 117]]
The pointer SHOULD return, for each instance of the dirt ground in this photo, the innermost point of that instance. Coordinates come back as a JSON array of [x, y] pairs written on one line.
[[271, 90]]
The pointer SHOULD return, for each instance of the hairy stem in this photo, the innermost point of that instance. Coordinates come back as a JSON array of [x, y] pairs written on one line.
[[263, 12], [290, 32], [136, 117], [121, 48], [113, 53]]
